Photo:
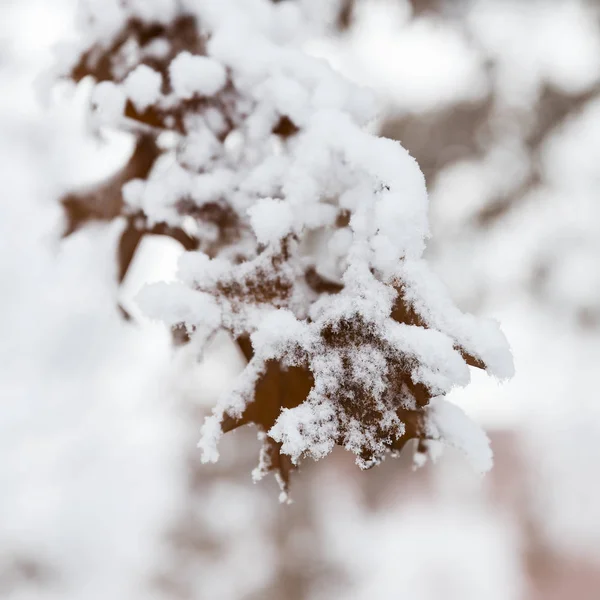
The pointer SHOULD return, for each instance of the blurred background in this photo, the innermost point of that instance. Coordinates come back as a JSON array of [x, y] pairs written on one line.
[[102, 494]]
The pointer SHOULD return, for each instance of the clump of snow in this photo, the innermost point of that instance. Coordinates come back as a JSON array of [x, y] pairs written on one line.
[[175, 303], [308, 429], [133, 192], [142, 86], [271, 220], [211, 434], [479, 336], [449, 423], [190, 75]]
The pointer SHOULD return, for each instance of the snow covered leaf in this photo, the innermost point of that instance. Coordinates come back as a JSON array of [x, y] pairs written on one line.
[[305, 233]]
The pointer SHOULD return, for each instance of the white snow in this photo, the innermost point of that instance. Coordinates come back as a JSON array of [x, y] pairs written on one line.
[[449, 423], [190, 75], [271, 220], [109, 100], [142, 86]]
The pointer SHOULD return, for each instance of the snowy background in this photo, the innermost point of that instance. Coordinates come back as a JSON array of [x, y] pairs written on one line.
[[101, 490]]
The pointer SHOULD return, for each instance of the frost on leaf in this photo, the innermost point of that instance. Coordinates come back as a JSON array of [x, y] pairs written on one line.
[[304, 233]]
